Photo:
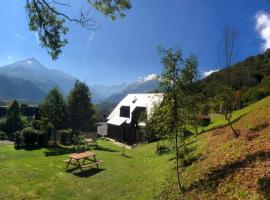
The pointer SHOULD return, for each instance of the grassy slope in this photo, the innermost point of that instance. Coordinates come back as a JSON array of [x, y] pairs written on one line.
[[33, 175], [232, 168]]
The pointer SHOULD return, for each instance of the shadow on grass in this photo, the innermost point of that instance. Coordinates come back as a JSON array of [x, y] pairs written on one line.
[[100, 148], [27, 148], [85, 173], [264, 187], [215, 176], [56, 151], [126, 156]]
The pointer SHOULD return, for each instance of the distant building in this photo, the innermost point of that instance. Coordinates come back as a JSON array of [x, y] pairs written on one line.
[[125, 123]]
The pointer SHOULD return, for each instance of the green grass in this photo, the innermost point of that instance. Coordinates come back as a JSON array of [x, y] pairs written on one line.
[[219, 120], [32, 174]]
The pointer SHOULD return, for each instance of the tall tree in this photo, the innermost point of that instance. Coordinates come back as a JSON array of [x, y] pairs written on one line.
[[80, 109], [13, 121], [176, 104], [47, 19], [53, 110], [227, 52], [190, 87]]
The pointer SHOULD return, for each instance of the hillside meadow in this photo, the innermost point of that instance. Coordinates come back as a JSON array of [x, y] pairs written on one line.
[[229, 167]]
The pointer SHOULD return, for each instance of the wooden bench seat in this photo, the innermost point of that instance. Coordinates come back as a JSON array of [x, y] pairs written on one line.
[[90, 164], [68, 160]]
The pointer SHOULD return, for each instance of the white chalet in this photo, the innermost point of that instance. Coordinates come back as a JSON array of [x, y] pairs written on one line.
[[123, 122]]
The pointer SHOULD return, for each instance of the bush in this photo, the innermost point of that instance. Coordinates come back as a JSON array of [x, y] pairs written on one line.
[[203, 120], [36, 124], [30, 136], [3, 124], [18, 138], [65, 136], [3, 136], [252, 95], [42, 138]]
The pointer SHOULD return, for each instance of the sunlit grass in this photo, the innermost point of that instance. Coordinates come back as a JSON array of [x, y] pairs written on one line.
[[30, 174]]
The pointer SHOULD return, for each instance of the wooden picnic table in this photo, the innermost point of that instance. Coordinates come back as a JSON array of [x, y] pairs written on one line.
[[82, 160]]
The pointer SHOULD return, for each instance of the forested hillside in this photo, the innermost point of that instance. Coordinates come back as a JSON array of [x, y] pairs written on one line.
[[250, 79]]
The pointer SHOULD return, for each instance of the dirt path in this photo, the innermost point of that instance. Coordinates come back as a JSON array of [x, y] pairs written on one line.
[[6, 142]]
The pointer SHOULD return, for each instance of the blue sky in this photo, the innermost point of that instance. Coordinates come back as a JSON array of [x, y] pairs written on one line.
[[126, 49]]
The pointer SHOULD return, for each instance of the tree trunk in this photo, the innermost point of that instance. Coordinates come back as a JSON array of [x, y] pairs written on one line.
[[236, 134]]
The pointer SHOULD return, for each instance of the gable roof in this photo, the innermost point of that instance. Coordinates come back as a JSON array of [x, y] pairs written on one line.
[[146, 100]]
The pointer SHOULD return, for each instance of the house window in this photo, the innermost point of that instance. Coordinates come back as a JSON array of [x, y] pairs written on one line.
[[125, 111]]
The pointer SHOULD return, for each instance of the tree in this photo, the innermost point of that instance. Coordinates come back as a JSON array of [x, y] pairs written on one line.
[[190, 87], [53, 110], [227, 51], [13, 121], [177, 106], [46, 18], [80, 109]]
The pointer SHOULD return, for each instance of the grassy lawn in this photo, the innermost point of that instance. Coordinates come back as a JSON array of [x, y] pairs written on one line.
[[219, 120], [41, 174]]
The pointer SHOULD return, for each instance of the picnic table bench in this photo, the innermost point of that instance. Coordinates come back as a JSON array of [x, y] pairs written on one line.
[[79, 160]]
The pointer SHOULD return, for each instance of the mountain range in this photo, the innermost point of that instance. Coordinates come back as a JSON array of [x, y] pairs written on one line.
[[29, 80]]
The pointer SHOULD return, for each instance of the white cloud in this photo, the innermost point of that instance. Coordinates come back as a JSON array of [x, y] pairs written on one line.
[[91, 37], [148, 78], [263, 28], [208, 73], [21, 37], [29, 62]]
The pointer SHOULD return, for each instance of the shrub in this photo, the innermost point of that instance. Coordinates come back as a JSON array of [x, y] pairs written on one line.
[[30, 136], [42, 138], [18, 138], [203, 120], [65, 136], [252, 95], [3, 136], [3, 124], [36, 124]]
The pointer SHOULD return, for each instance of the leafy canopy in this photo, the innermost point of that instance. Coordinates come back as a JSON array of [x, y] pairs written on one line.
[[50, 24], [80, 109]]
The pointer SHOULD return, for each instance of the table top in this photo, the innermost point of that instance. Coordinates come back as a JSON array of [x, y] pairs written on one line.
[[82, 155]]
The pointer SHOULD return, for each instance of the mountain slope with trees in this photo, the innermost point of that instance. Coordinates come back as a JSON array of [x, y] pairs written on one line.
[[250, 79], [18, 88]]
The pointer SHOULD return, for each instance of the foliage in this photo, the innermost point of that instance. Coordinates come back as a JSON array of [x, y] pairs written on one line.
[[203, 120], [30, 136], [65, 136], [3, 111], [3, 135], [50, 23], [36, 124], [53, 110], [112, 8], [18, 135], [3, 126], [252, 95], [178, 108], [13, 118], [255, 81], [28, 111], [50, 28], [43, 138], [80, 109]]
